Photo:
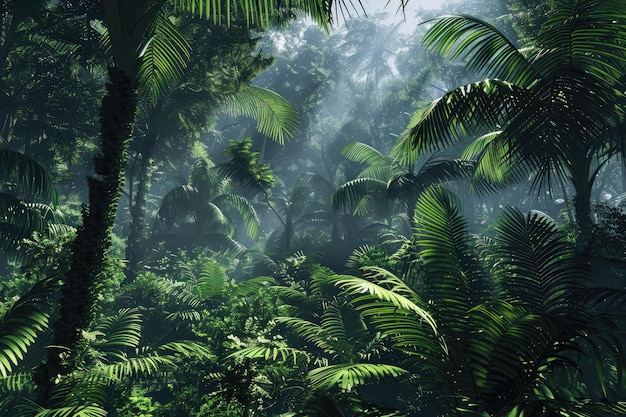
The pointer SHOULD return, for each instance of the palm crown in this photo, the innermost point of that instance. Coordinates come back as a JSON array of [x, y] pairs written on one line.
[[553, 111]]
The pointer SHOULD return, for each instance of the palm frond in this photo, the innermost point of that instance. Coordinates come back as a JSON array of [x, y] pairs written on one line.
[[32, 182], [483, 106], [262, 13], [483, 48], [435, 171], [253, 285], [506, 352], [164, 59], [212, 280], [72, 411], [120, 330], [133, 367], [390, 289], [24, 322], [575, 28], [351, 375], [363, 153], [381, 172], [247, 211], [352, 193], [456, 282], [274, 115], [221, 243], [17, 381], [493, 168], [178, 202], [204, 177], [274, 353], [537, 265], [311, 332], [127, 24], [187, 348]]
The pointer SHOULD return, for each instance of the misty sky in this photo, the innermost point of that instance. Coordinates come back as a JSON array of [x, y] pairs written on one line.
[[411, 8], [378, 6]]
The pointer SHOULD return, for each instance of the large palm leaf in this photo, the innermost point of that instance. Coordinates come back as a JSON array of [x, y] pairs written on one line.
[[538, 265], [163, 60], [27, 179], [24, 322], [275, 116], [446, 249], [385, 179], [264, 13]]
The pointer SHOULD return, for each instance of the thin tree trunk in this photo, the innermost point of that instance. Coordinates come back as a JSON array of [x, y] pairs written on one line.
[[135, 242], [582, 211], [93, 239]]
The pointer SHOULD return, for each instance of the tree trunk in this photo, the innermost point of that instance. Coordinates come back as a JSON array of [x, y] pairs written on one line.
[[579, 166], [135, 242], [584, 221], [93, 239]]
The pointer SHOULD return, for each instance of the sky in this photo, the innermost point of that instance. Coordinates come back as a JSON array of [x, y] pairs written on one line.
[[411, 7], [381, 6]]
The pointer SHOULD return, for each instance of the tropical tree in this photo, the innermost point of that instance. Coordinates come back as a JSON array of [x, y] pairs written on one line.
[[370, 47], [307, 205], [384, 180], [202, 212], [553, 111]]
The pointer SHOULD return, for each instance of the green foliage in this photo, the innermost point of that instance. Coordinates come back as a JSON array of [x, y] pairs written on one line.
[[202, 212], [23, 324], [552, 114], [609, 234], [393, 178], [275, 116], [244, 169], [138, 405], [494, 348]]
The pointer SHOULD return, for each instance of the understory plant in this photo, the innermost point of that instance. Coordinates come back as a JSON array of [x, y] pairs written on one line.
[[509, 324]]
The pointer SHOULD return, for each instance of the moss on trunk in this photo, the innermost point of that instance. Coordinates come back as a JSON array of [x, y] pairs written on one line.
[[82, 282]]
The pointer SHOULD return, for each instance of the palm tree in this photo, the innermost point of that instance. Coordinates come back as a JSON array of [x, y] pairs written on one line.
[[129, 25], [306, 205], [201, 213], [554, 111], [369, 47], [385, 180]]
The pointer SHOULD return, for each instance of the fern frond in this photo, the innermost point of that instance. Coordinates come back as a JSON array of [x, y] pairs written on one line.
[[348, 376], [273, 353]]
